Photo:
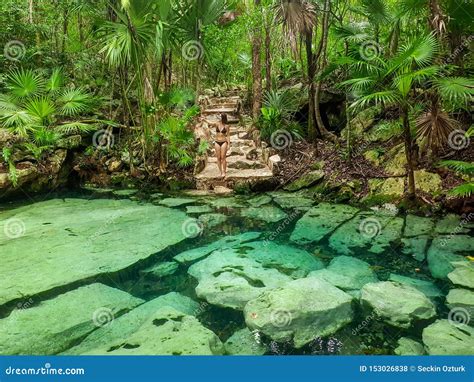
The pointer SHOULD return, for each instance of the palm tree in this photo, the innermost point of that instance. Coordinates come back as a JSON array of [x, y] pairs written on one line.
[[396, 82]]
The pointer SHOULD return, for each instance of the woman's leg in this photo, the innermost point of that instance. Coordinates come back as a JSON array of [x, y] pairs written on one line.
[[224, 148], [218, 149]]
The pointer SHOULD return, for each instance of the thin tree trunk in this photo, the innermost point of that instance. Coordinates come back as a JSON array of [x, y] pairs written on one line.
[[312, 123], [65, 28], [30, 11], [324, 43], [268, 55], [408, 152], [257, 68], [437, 18]]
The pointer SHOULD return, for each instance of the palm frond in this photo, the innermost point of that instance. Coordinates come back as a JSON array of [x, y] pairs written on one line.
[[73, 102], [24, 83], [465, 190], [457, 90], [459, 166]]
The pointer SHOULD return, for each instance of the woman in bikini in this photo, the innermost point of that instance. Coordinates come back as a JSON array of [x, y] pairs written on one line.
[[222, 144]]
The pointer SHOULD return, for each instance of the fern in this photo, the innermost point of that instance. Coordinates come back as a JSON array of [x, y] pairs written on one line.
[[465, 190], [459, 166], [12, 173]]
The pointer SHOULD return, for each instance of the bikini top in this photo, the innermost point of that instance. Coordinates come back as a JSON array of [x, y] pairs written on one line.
[[223, 131]]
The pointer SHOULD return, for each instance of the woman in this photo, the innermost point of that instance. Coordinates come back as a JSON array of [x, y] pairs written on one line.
[[222, 144]]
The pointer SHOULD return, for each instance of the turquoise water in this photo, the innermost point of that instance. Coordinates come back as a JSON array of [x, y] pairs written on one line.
[[366, 333]]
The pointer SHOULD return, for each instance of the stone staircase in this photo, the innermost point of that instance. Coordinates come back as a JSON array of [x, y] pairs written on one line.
[[247, 159]]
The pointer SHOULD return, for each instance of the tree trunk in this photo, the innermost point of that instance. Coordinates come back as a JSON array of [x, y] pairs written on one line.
[[65, 28], [30, 11], [408, 152], [312, 123], [322, 65], [268, 55], [257, 68], [437, 18]]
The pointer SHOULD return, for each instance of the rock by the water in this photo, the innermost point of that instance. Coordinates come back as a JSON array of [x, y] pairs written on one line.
[[463, 274], [55, 325], [397, 304], [227, 202], [66, 240], [125, 192], [347, 273], [244, 342], [321, 220], [427, 287], [198, 209], [167, 331], [229, 279], [127, 324], [306, 181], [260, 200], [176, 202], [417, 226], [268, 214], [375, 231], [446, 250], [300, 311], [224, 243], [416, 246], [452, 225], [161, 269], [291, 200], [444, 338], [463, 300], [212, 220], [407, 346]]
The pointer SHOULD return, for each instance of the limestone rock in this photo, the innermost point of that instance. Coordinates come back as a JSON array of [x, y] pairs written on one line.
[[244, 342], [306, 181], [198, 209], [300, 311], [397, 304], [347, 273], [167, 331], [127, 324], [390, 186], [445, 338], [224, 243], [427, 182], [417, 226], [268, 214], [176, 202], [291, 200], [407, 346], [258, 201], [463, 274], [462, 299], [55, 325], [416, 246], [212, 220], [446, 250], [161, 269], [67, 240], [427, 287], [320, 221], [452, 225]]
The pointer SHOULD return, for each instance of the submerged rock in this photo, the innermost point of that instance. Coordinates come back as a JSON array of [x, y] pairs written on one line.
[[321, 220], [268, 214], [291, 200], [229, 279], [244, 342], [66, 240], [446, 250], [397, 304], [198, 209], [176, 202], [260, 200], [452, 225], [161, 269], [407, 346], [99, 341], [427, 287], [301, 310], [166, 331], [461, 303], [224, 243], [55, 325], [444, 338], [212, 220], [347, 273], [375, 231], [463, 274], [416, 246], [417, 226]]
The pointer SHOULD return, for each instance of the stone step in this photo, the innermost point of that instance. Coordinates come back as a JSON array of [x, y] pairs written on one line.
[[219, 111], [239, 162]]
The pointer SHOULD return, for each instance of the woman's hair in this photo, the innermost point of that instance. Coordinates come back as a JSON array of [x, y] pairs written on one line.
[[224, 118]]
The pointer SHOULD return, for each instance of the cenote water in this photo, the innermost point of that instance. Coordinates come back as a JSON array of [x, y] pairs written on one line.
[[129, 272]]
